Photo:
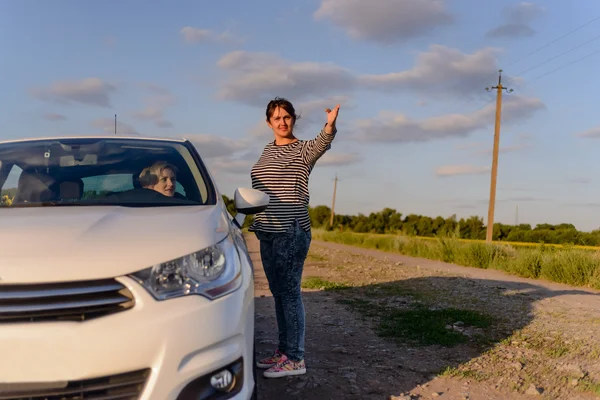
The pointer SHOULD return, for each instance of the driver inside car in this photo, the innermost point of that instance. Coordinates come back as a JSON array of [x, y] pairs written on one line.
[[161, 177]]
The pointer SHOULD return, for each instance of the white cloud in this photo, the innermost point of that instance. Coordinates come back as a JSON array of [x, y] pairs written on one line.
[[385, 21], [149, 113], [593, 133], [195, 35], [211, 146], [453, 170], [395, 127], [108, 126], [313, 111], [255, 78], [261, 130], [521, 142], [440, 71], [235, 167], [523, 12], [517, 17], [89, 91], [198, 35], [330, 159], [160, 99], [511, 30], [54, 117]]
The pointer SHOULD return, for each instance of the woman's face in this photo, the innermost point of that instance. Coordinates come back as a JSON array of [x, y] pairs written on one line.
[[282, 123], [166, 182]]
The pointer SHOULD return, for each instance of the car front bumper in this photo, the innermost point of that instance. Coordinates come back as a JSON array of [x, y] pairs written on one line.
[[176, 342]]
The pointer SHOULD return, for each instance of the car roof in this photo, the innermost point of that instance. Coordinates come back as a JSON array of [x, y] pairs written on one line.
[[128, 137]]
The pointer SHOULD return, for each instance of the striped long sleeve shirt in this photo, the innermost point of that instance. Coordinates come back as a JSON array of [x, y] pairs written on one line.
[[282, 172]]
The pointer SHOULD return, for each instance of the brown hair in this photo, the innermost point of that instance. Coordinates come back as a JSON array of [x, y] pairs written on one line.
[[282, 103]]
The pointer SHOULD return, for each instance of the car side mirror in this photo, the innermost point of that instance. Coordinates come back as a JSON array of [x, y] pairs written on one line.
[[248, 202]]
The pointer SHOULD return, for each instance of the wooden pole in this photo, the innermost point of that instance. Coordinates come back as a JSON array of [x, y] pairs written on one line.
[[492, 202], [333, 202]]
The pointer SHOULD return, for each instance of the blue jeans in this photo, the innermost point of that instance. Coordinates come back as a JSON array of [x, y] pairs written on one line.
[[283, 256]]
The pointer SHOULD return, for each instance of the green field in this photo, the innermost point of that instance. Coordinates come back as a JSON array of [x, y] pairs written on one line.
[[572, 265]]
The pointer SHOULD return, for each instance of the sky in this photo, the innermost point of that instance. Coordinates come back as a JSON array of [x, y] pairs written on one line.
[[416, 124]]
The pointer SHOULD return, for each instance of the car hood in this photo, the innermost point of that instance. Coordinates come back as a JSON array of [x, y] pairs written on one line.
[[52, 244]]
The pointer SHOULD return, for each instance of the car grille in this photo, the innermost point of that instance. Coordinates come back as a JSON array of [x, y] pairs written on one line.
[[68, 301], [127, 386]]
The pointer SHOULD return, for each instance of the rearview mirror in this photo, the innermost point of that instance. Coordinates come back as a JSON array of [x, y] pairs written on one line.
[[248, 202]]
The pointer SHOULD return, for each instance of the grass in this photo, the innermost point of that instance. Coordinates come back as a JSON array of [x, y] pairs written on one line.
[[570, 265], [464, 373], [518, 244], [316, 257], [589, 385], [416, 323], [425, 326], [315, 282]]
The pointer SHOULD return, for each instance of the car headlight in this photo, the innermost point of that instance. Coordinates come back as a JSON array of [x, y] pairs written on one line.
[[211, 272]]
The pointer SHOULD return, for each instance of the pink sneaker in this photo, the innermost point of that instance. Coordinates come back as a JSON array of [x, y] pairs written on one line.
[[270, 361], [286, 367]]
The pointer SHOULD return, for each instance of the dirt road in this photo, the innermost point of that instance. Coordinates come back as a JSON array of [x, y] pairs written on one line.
[[373, 331]]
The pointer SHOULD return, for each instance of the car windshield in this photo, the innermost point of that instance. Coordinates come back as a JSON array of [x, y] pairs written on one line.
[[102, 171]]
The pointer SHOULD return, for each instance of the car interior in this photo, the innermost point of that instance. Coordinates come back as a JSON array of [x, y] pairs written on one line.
[[96, 172]]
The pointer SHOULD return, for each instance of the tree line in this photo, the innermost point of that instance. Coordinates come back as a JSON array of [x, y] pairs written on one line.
[[391, 221]]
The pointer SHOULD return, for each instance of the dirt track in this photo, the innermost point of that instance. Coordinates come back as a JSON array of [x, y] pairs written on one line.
[[547, 345]]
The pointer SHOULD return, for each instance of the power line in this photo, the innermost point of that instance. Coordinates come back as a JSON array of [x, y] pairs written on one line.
[[548, 44], [555, 40], [561, 67], [560, 55]]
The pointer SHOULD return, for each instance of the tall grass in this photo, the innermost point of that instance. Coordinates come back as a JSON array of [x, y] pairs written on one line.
[[572, 266]]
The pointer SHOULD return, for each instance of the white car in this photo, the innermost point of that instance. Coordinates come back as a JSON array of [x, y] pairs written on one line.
[[111, 289]]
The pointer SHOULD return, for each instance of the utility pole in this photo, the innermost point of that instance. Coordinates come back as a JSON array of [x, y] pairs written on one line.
[[517, 216], [333, 202], [492, 204], [115, 124]]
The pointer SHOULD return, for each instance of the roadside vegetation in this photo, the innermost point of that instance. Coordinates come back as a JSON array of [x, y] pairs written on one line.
[[389, 221], [557, 253], [566, 264]]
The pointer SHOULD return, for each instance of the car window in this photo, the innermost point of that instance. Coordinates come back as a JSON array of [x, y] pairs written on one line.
[[100, 185], [9, 190], [99, 171]]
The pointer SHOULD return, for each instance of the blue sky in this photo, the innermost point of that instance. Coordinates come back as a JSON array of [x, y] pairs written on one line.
[[416, 124]]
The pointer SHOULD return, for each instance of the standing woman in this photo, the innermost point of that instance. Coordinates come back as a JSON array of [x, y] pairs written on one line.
[[284, 230]]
